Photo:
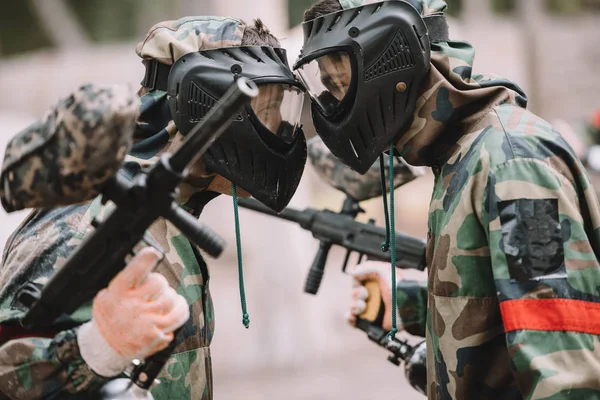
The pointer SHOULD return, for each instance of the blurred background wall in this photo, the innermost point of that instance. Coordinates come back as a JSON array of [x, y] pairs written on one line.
[[298, 346]]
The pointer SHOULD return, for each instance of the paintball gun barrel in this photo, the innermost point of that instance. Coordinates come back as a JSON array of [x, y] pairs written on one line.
[[139, 202], [341, 229]]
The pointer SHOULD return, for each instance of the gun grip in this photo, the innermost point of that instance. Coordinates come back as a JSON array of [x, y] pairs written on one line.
[[375, 306]]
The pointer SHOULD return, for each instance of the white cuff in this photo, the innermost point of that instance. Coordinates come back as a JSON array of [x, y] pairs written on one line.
[[97, 353]]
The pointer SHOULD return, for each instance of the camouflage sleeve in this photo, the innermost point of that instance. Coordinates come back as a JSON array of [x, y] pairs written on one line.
[[542, 228], [359, 187], [411, 297], [36, 368]]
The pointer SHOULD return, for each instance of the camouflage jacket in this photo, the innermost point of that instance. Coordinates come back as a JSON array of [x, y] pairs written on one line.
[[512, 257], [48, 363], [35, 367], [512, 299], [41, 367]]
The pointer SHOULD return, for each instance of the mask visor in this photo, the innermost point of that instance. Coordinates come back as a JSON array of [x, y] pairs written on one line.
[[278, 107], [328, 79]]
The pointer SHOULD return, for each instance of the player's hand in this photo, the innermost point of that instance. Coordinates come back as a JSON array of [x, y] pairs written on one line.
[[133, 318], [379, 272]]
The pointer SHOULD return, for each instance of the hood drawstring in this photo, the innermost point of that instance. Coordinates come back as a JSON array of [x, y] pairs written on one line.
[[390, 229], [245, 316]]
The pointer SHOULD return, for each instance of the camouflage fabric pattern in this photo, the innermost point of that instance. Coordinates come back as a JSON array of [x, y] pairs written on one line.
[[169, 40], [411, 298], [359, 187], [49, 162], [61, 366], [41, 245], [45, 240], [513, 180], [513, 242]]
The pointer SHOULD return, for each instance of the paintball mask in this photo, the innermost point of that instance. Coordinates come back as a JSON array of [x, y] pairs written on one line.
[[363, 68], [264, 149]]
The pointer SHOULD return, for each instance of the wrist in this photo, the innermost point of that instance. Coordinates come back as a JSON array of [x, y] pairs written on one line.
[[97, 353]]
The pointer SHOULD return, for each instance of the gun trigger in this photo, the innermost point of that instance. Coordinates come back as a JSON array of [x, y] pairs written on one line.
[[360, 257], [348, 252]]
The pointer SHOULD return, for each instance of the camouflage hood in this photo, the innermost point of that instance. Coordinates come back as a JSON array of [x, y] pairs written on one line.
[[156, 133], [453, 98]]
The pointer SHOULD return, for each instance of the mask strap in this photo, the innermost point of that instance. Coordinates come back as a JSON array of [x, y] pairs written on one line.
[[390, 228], [238, 240]]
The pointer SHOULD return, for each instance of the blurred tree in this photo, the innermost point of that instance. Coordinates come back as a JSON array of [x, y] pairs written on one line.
[[591, 5], [20, 30], [296, 10], [504, 6], [59, 22], [562, 7], [109, 20], [454, 7], [571, 7]]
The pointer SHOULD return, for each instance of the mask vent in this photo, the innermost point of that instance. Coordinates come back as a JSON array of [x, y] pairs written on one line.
[[199, 104], [396, 57]]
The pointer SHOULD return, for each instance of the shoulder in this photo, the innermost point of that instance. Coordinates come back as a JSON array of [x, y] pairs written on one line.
[[512, 137]]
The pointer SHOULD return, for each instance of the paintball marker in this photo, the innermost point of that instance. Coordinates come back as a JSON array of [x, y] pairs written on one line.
[[341, 229], [148, 196], [414, 357]]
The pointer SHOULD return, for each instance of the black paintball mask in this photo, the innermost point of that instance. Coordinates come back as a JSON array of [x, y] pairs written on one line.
[[264, 149], [363, 68]]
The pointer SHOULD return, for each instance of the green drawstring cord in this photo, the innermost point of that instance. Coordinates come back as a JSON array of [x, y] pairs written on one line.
[[392, 235], [390, 230], [245, 316], [385, 245]]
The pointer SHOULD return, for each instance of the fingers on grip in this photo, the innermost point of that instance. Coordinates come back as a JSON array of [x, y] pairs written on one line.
[[358, 307], [176, 317], [153, 287], [360, 293], [351, 318], [373, 303], [371, 270]]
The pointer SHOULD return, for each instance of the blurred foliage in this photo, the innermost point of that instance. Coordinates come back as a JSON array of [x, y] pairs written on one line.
[[108, 20], [115, 20], [454, 7], [504, 6], [19, 30], [296, 10], [571, 7]]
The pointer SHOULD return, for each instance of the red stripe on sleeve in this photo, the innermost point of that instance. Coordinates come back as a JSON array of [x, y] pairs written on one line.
[[551, 315]]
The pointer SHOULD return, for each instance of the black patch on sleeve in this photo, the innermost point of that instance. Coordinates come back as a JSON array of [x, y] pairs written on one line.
[[532, 238]]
